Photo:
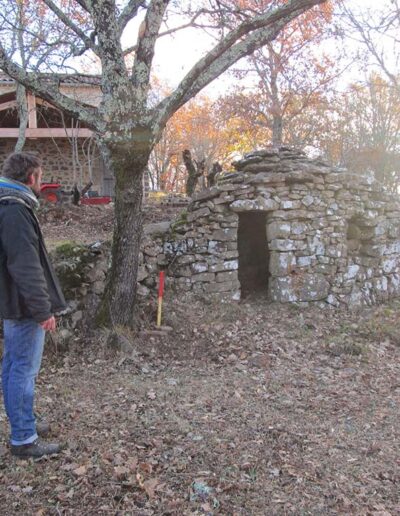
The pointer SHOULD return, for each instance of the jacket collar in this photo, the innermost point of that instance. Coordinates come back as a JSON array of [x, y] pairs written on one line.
[[11, 188]]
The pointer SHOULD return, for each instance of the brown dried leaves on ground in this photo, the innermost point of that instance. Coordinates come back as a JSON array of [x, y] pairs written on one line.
[[246, 409]]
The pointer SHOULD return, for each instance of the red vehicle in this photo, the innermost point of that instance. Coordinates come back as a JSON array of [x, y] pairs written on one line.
[[52, 192], [96, 199]]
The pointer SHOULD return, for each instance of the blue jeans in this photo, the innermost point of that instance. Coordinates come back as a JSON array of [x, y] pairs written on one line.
[[22, 356]]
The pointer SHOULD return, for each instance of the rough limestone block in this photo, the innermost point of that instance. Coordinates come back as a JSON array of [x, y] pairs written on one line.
[[228, 286], [231, 246], [259, 167], [217, 267], [264, 192], [305, 261], [281, 290], [394, 284], [351, 272], [259, 204], [296, 215], [266, 178], [314, 287], [185, 259], [229, 187], [231, 265], [333, 300], [184, 271], [278, 229], [281, 264], [283, 245], [206, 277], [308, 200], [209, 193], [356, 297], [333, 252], [394, 229], [380, 285], [390, 264], [142, 273], [194, 215], [224, 235], [299, 228], [373, 250], [216, 247], [315, 245], [227, 276], [301, 287], [290, 205], [230, 255], [199, 267], [392, 248], [184, 283]]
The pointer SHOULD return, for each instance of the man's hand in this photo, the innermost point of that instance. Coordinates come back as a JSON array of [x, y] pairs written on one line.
[[49, 324]]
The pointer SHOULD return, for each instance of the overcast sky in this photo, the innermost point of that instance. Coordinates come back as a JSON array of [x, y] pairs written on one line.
[[175, 55]]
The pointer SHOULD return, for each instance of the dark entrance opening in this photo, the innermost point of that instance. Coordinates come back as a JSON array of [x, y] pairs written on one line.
[[253, 253]]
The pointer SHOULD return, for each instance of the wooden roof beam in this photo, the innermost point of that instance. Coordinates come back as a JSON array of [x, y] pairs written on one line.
[[49, 132], [8, 105]]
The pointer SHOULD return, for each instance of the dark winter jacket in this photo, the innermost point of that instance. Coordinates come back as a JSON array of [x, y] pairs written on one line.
[[28, 285]]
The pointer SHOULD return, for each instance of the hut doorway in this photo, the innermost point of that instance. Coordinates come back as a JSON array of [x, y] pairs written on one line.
[[253, 254]]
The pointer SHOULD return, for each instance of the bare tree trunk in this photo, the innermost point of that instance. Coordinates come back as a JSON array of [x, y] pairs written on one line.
[[194, 172], [23, 113], [119, 309], [211, 178], [277, 121], [277, 130]]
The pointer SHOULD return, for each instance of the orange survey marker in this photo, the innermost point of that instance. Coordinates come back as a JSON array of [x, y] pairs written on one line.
[[160, 297]]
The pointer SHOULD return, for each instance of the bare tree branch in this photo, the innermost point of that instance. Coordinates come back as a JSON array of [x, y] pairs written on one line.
[[48, 88], [191, 23], [88, 42], [369, 29], [148, 33], [129, 12], [85, 4], [251, 34]]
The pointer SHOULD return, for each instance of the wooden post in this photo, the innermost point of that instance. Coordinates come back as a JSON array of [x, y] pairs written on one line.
[[160, 298], [32, 120]]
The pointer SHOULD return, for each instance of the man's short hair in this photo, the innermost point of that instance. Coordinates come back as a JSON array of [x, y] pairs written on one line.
[[20, 165]]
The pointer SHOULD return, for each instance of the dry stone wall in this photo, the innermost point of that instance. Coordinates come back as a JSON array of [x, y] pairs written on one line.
[[331, 237]]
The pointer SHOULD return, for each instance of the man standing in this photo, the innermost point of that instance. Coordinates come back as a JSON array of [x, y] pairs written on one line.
[[30, 295]]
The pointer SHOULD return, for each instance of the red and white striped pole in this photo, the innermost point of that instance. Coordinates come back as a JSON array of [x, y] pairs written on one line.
[[160, 297]]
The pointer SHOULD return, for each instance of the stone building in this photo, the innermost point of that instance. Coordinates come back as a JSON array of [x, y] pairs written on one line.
[[66, 147], [287, 227]]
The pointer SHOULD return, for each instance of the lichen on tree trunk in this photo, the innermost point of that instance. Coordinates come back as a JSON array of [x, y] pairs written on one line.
[[194, 170], [118, 308], [23, 114]]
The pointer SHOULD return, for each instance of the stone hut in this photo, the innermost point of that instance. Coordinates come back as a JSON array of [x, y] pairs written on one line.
[[288, 227]]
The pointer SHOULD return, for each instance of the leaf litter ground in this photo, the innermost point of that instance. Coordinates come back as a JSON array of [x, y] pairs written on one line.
[[243, 409], [248, 409]]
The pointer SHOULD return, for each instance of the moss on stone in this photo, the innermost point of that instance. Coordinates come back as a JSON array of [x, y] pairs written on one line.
[[71, 261], [69, 249], [180, 221]]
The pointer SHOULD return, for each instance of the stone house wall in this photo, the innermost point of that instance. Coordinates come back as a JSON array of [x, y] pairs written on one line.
[[331, 237], [58, 161]]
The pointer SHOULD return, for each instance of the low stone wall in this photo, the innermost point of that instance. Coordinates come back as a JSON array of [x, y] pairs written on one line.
[[82, 272]]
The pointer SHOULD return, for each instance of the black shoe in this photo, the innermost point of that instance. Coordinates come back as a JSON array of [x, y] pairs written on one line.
[[36, 449], [42, 428]]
